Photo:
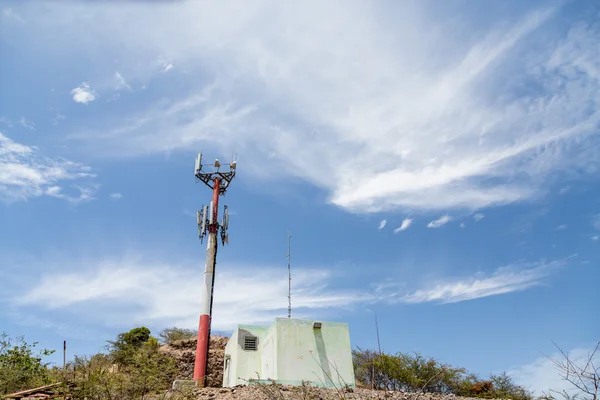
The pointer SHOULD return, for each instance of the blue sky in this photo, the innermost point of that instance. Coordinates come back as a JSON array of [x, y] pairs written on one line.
[[437, 164]]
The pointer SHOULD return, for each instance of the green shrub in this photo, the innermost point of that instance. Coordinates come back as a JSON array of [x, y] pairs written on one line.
[[416, 373], [134, 369], [20, 368], [127, 344], [169, 335]]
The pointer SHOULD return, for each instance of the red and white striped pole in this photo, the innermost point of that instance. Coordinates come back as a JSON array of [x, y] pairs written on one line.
[[200, 365]]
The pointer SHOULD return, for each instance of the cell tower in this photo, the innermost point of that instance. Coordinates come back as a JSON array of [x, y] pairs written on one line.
[[218, 179]]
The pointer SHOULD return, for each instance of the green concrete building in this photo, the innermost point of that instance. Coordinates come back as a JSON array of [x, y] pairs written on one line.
[[288, 352]]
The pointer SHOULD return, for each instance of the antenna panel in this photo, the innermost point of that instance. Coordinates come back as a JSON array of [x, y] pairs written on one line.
[[226, 218], [211, 214], [198, 163], [203, 224]]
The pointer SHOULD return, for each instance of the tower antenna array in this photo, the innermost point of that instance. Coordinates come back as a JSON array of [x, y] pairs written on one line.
[[217, 177]]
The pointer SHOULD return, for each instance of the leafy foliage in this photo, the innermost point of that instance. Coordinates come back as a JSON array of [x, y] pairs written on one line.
[[20, 368], [127, 344], [416, 373], [133, 369], [169, 335]]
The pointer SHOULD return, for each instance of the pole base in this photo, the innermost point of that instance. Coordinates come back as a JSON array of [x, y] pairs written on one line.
[[180, 384]]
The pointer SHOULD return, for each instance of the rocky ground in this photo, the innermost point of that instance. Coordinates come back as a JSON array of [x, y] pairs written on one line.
[[184, 351], [266, 392]]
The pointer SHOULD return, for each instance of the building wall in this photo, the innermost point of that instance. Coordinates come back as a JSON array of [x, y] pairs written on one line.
[[230, 367], [291, 351], [247, 363], [322, 356], [268, 353]]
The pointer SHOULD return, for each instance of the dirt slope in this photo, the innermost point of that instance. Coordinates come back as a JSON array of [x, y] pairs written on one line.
[[184, 351], [278, 392]]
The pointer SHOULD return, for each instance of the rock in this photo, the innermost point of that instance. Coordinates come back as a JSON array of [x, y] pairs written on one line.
[[184, 352]]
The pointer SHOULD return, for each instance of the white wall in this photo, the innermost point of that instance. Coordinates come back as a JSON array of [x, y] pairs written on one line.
[[230, 369], [247, 363], [291, 351], [322, 356], [269, 359]]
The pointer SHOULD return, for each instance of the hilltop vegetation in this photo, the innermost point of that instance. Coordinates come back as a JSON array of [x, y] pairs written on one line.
[[135, 367]]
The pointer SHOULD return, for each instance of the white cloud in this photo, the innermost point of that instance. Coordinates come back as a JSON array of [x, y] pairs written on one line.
[[478, 217], [116, 196], [24, 174], [406, 223], [445, 114], [27, 124], [505, 280], [463, 225], [443, 220], [122, 291], [596, 221], [168, 67], [120, 82], [166, 294], [382, 224], [83, 94], [561, 227], [595, 238], [541, 375]]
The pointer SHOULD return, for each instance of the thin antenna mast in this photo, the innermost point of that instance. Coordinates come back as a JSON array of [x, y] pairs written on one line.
[[289, 276]]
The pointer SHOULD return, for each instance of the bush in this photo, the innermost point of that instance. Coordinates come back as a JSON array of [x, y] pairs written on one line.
[[169, 335], [20, 368], [127, 344], [133, 369], [415, 373]]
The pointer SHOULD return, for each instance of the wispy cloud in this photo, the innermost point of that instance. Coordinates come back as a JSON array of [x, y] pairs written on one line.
[[541, 375], [167, 67], [119, 291], [505, 280], [116, 196], [167, 294], [11, 14], [478, 217], [57, 118], [406, 223], [27, 124], [382, 224], [430, 152], [561, 227], [443, 220], [596, 221], [121, 84], [24, 174], [83, 94], [463, 225], [6, 121]]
